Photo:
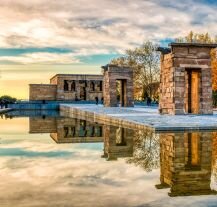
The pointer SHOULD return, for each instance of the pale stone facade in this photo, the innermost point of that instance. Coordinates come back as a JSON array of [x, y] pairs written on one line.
[[67, 87], [42, 92], [82, 87], [42, 125], [186, 79], [112, 74]]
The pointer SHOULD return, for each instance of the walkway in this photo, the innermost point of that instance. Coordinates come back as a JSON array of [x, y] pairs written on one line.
[[141, 116]]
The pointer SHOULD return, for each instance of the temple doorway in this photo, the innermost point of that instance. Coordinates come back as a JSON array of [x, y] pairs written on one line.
[[118, 86], [121, 92], [193, 91]]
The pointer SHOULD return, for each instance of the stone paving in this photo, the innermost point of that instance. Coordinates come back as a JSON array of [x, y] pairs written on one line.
[[150, 117]]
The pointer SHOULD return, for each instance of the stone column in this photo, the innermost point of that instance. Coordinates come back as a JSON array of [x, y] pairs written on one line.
[[128, 87], [69, 82], [179, 79], [87, 88], [206, 89], [77, 89]]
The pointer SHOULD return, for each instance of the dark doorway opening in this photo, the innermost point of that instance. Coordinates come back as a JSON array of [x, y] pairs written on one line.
[[121, 92]]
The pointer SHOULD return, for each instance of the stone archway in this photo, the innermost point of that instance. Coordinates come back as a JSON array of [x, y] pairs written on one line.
[[124, 75]]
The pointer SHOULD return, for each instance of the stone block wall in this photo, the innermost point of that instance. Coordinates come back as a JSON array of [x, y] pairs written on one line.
[[174, 157], [174, 79], [167, 85], [166, 157], [41, 92], [112, 73], [40, 125], [80, 81]]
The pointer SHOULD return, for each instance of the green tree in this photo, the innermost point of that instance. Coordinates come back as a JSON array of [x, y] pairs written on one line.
[[145, 62], [146, 150]]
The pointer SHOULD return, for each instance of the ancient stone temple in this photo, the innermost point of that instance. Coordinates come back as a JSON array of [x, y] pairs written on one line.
[[185, 162], [185, 81], [70, 87], [115, 76]]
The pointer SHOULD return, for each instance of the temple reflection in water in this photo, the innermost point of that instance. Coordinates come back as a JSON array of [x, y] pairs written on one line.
[[118, 142], [186, 160], [67, 130], [186, 163]]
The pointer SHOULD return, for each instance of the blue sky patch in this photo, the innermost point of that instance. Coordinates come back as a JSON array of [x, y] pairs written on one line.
[[21, 51], [98, 59]]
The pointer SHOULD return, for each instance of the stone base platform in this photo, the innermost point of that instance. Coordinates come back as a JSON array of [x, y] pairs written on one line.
[[140, 117]]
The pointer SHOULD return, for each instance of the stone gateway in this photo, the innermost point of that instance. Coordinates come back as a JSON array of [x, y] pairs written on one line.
[[123, 76], [186, 79]]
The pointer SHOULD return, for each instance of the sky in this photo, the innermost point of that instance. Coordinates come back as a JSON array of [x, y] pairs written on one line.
[[40, 38]]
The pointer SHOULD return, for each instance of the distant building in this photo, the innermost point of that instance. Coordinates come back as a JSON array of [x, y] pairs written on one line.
[[69, 87]]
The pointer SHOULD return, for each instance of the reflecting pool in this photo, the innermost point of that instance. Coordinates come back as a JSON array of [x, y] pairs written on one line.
[[50, 160]]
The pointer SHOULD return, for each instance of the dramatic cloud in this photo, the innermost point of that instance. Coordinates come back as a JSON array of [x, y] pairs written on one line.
[[70, 36], [46, 58], [99, 25]]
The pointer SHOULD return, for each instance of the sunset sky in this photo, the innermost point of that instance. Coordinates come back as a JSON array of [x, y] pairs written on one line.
[[40, 38]]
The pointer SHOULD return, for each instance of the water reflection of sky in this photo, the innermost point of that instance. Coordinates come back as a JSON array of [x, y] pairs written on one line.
[[35, 171]]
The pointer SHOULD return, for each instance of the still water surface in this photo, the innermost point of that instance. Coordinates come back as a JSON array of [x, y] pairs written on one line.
[[48, 160]]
